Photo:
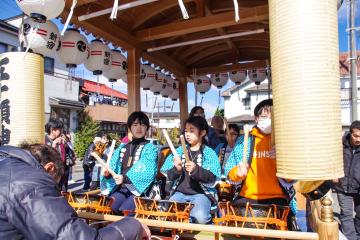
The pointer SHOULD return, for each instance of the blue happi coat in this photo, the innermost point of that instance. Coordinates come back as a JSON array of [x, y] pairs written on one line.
[[207, 160], [236, 155], [141, 174]]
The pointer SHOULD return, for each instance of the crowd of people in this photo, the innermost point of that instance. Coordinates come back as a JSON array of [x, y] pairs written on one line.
[[214, 155]]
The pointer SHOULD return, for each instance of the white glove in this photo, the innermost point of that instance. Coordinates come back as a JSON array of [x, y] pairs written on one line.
[[118, 179]]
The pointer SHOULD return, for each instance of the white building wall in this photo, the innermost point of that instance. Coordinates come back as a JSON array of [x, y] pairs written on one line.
[[346, 104], [234, 105]]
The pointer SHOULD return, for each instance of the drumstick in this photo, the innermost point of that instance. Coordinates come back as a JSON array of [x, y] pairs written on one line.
[[171, 145], [183, 144], [103, 164], [111, 152], [246, 136]]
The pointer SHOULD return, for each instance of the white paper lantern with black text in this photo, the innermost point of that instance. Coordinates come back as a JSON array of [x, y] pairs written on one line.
[[219, 79], [238, 77], [257, 75], [41, 10], [175, 93], [117, 68], [167, 86], [202, 84], [74, 48], [147, 76], [99, 59], [43, 37], [156, 87]]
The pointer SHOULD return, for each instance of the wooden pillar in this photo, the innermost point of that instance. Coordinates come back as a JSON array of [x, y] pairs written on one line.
[[133, 80], [183, 101]]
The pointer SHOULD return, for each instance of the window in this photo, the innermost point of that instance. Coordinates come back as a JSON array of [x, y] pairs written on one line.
[[49, 64], [3, 47], [247, 104]]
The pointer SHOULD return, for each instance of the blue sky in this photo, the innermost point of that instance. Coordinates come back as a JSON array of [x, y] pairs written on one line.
[[210, 101]]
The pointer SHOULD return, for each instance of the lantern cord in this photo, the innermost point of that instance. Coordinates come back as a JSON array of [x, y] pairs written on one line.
[[236, 6], [183, 9], [74, 2], [71, 76], [114, 11], [219, 99], [98, 86], [172, 107], [32, 36], [146, 99], [201, 100], [257, 92]]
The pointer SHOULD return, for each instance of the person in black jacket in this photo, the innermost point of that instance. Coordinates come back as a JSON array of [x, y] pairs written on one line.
[[31, 206], [348, 187], [99, 145]]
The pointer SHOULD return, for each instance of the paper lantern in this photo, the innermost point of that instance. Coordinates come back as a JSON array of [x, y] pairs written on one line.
[[22, 97], [99, 59], [147, 76], [41, 10], [305, 80], [118, 66], [238, 76], [202, 84], [74, 48], [175, 94], [43, 37], [219, 79], [156, 87], [257, 75], [167, 86]]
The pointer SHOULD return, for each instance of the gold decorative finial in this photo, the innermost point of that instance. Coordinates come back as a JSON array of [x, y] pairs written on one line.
[[327, 214]]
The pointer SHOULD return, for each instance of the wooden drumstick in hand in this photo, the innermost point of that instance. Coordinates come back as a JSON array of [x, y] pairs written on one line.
[[246, 141], [170, 143], [111, 151], [103, 164], [183, 144]]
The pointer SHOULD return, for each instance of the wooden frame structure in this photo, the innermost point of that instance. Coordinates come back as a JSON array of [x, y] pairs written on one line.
[[160, 23]]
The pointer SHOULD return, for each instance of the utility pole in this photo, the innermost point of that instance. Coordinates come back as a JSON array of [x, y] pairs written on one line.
[[352, 59]]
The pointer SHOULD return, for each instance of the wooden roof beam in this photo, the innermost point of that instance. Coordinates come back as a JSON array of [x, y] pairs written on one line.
[[228, 68], [202, 24], [221, 31], [153, 10]]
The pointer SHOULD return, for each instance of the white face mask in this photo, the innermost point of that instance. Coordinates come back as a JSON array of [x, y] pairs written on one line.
[[264, 124]]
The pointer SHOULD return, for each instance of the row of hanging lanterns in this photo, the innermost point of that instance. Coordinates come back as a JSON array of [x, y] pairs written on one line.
[[158, 83], [203, 83]]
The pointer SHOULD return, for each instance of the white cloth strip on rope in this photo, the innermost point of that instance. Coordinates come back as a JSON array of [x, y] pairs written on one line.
[[69, 17], [114, 11], [183, 9], [32, 33], [236, 6]]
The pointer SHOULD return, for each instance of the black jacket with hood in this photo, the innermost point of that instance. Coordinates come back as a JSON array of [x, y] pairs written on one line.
[[350, 183], [31, 206]]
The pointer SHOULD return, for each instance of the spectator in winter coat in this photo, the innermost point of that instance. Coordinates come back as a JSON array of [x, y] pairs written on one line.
[[348, 187], [99, 145], [31, 206]]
